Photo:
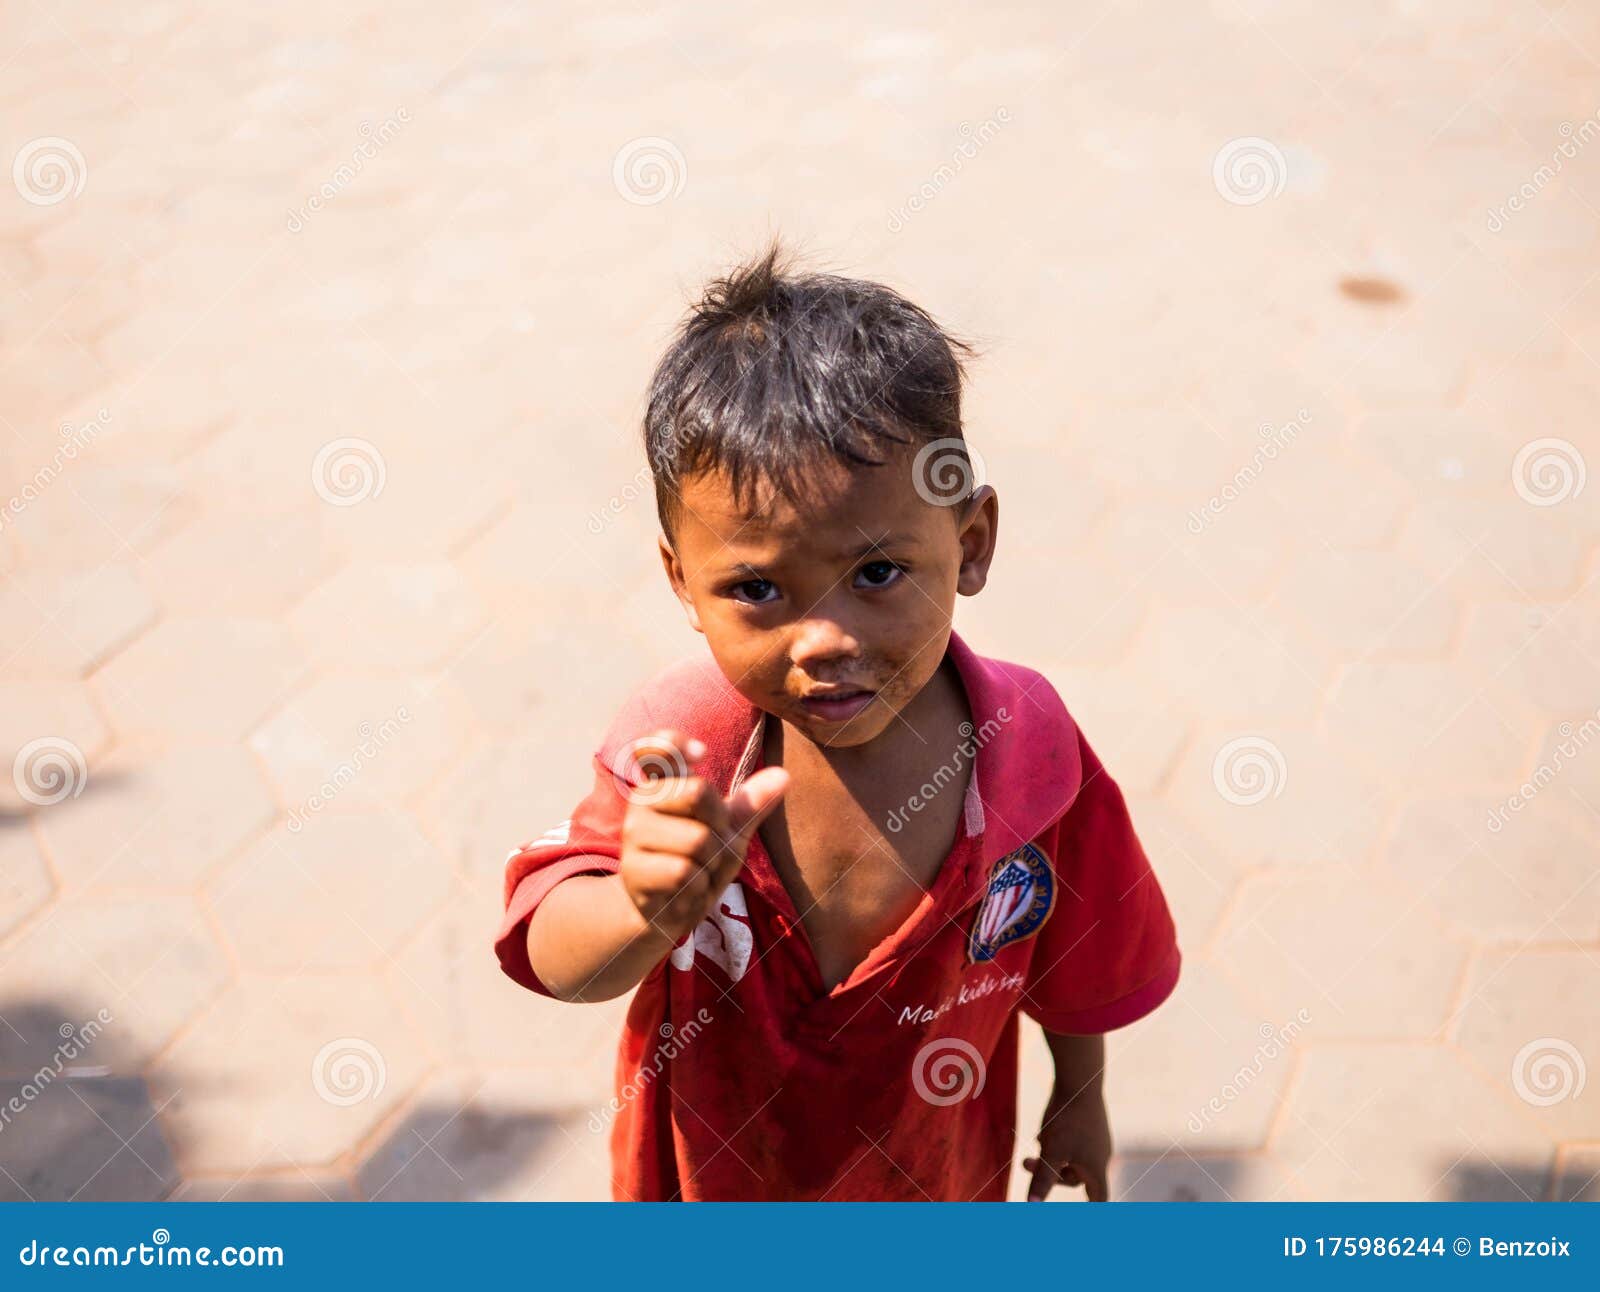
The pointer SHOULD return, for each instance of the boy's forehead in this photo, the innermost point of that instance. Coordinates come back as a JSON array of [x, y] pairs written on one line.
[[843, 508]]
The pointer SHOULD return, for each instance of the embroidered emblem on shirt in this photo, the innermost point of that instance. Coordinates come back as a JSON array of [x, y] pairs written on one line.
[[723, 937], [1021, 891]]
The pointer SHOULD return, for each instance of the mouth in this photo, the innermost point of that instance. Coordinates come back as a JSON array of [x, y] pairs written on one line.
[[837, 704]]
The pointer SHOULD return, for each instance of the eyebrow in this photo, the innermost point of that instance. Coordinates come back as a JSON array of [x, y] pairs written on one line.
[[855, 553]]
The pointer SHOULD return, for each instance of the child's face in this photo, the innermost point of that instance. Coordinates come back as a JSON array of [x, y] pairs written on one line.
[[852, 594]]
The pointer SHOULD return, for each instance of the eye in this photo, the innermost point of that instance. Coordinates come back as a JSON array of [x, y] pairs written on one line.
[[880, 574], [755, 592]]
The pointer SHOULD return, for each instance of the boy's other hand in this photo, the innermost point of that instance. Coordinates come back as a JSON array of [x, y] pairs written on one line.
[[682, 841], [1074, 1147]]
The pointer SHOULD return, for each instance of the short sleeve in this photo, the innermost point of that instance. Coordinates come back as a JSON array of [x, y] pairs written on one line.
[[589, 843], [1108, 952]]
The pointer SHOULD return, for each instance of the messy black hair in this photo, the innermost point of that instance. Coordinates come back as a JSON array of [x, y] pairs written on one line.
[[773, 369]]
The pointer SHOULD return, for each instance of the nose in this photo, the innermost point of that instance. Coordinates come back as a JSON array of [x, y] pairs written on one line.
[[819, 644]]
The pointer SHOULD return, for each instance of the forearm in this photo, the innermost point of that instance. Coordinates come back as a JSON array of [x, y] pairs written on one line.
[[588, 942], [1080, 1063]]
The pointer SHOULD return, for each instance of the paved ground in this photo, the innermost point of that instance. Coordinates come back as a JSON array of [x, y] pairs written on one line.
[[324, 332]]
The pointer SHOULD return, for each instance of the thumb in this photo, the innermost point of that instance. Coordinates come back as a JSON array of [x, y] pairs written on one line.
[[1045, 1178], [752, 803]]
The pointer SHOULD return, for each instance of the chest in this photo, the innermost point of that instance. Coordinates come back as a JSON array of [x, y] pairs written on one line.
[[857, 868]]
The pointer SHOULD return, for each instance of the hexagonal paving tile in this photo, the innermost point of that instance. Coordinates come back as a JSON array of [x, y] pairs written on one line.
[[1545, 653], [1501, 549], [468, 1011], [297, 1186], [1208, 1177], [1226, 1097], [197, 569], [340, 893], [150, 962], [158, 821], [1413, 720], [1405, 1123], [63, 623], [25, 883], [1532, 879], [476, 1138], [210, 677], [1369, 603], [412, 617], [1531, 1019], [83, 1140], [1229, 665], [285, 1072], [1336, 946], [1284, 795], [356, 739]]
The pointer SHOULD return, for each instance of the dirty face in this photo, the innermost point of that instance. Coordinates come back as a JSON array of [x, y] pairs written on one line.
[[835, 614]]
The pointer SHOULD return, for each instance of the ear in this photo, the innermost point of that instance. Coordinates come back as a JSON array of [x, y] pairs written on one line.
[[680, 586], [978, 527]]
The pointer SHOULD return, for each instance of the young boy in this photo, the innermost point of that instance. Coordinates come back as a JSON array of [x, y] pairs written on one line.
[[837, 857]]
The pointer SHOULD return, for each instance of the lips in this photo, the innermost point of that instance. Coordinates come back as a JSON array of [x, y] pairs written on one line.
[[837, 704]]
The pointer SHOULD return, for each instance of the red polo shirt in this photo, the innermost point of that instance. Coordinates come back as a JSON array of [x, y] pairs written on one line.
[[738, 1077]]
